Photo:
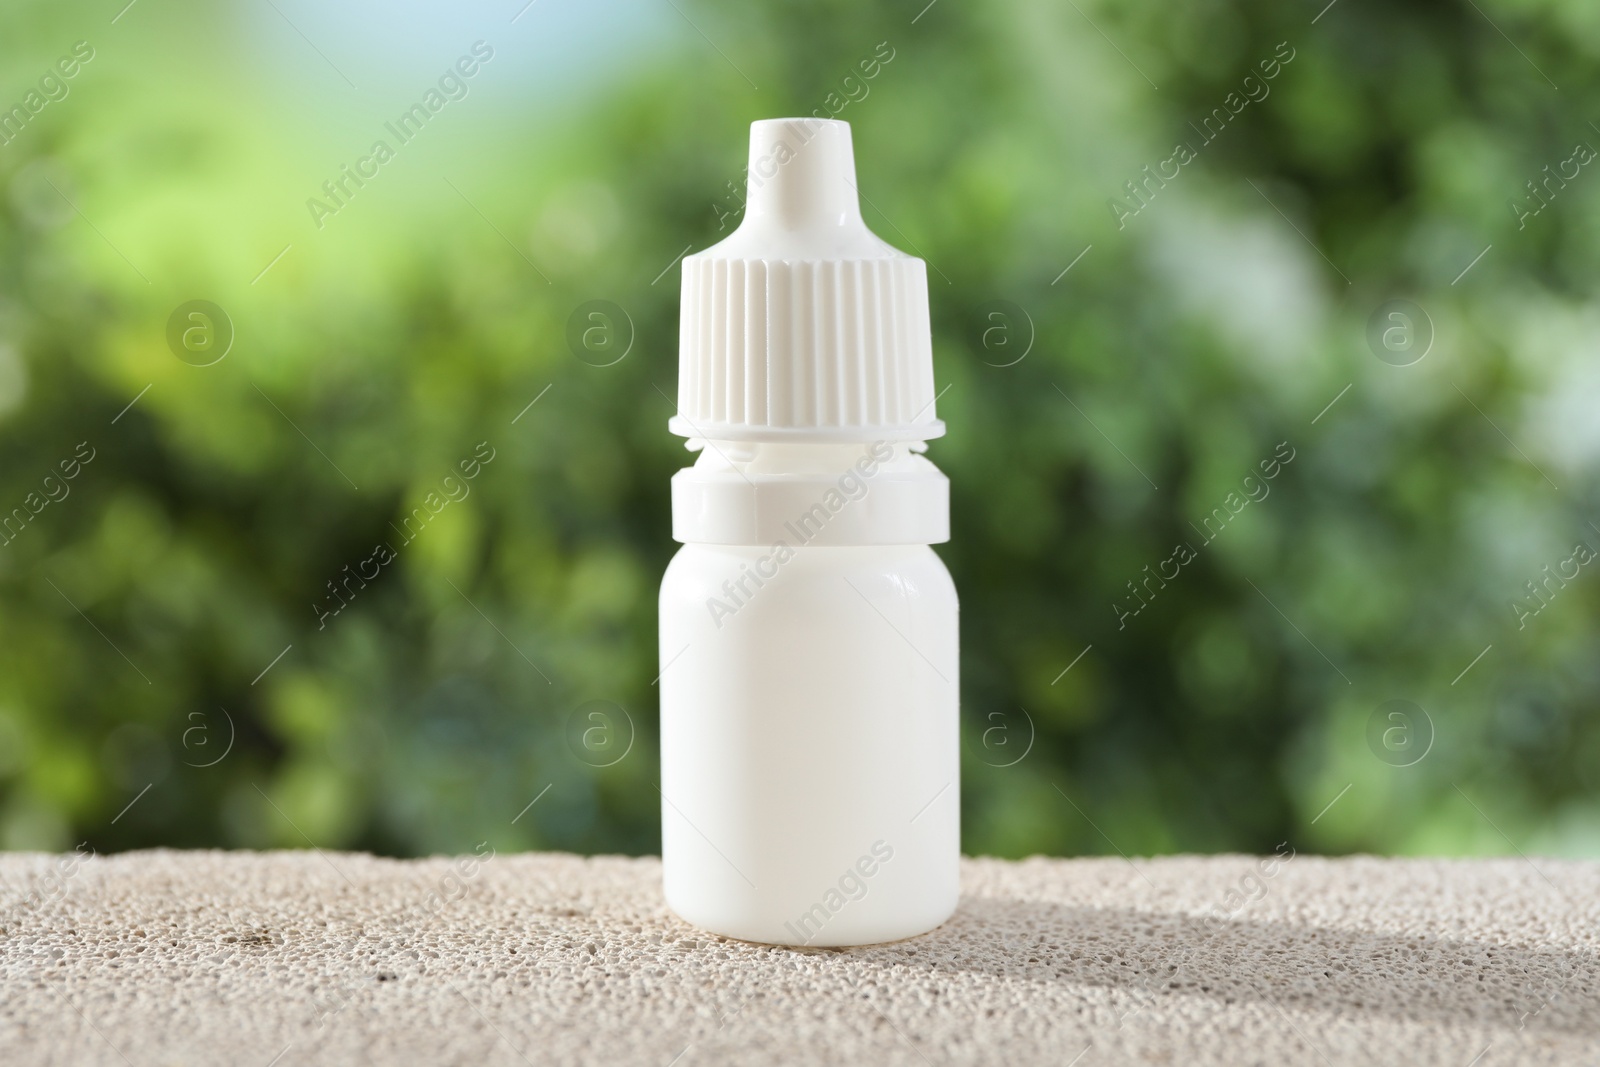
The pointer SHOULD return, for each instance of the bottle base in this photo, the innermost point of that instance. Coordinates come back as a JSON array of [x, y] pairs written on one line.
[[783, 936]]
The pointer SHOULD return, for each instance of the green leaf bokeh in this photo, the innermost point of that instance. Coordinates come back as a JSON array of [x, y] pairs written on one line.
[[1203, 325]]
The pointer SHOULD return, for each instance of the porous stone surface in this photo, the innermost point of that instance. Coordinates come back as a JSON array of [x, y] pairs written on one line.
[[305, 957]]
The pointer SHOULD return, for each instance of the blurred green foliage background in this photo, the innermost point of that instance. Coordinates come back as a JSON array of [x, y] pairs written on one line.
[[141, 702]]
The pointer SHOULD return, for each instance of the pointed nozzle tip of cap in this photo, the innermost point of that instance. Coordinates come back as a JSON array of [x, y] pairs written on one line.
[[802, 173]]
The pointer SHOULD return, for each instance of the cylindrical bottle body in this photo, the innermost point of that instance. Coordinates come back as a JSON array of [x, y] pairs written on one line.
[[809, 742]]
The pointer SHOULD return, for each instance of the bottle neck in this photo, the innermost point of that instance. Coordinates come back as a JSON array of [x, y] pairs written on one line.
[[822, 494], [806, 458]]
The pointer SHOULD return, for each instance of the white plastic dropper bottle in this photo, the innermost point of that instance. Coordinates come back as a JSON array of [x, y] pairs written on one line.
[[809, 647]]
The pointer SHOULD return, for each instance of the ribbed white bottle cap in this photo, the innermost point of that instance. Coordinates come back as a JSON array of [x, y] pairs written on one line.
[[803, 325]]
